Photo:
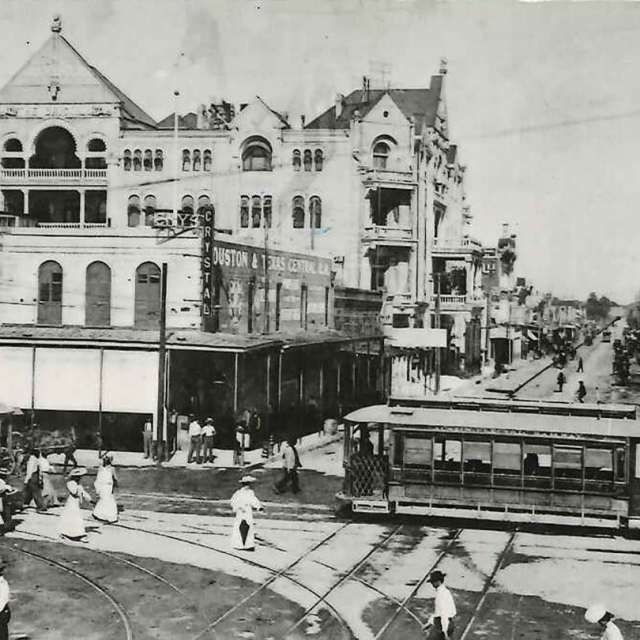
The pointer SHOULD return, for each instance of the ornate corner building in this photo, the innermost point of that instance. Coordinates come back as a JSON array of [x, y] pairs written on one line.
[[329, 225]]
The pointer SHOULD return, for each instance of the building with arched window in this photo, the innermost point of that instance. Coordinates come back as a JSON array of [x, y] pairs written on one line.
[[372, 186]]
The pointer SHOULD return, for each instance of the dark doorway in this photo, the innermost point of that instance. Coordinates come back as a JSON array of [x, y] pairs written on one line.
[[55, 149], [50, 293]]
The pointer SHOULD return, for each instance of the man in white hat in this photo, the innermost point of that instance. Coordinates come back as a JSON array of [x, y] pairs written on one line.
[[5, 612], [444, 609], [598, 614], [243, 502]]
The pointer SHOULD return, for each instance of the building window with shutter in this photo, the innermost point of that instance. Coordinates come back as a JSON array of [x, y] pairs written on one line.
[[186, 160], [50, 293], [319, 159], [197, 162], [297, 160], [137, 160], [256, 212], [298, 212], [207, 161], [244, 212], [133, 211], [307, 160], [315, 212], [158, 162]]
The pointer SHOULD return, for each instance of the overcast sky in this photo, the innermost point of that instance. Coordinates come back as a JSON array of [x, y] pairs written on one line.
[[543, 98]]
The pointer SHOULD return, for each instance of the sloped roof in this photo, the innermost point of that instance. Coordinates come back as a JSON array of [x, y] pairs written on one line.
[[78, 81], [422, 104], [186, 122]]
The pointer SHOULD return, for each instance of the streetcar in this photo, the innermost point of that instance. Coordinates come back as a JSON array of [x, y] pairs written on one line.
[[511, 460]]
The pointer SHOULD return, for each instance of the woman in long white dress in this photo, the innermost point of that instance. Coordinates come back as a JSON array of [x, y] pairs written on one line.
[[243, 502], [70, 522], [106, 510], [49, 494]]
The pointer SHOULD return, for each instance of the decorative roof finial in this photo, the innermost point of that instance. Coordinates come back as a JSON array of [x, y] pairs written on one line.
[[56, 23], [443, 66]]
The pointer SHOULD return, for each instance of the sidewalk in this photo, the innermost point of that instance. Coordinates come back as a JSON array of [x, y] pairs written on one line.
[[223, 457]]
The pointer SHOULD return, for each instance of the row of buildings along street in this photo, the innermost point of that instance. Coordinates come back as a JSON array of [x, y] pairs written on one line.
[[311, 266]]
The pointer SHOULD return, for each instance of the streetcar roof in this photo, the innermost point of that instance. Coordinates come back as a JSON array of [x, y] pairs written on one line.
[[492, 421]]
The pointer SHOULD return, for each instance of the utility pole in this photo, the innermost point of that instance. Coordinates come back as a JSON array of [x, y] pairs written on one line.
[[487, 350], [267, 223], [162, 360], [437, 323]]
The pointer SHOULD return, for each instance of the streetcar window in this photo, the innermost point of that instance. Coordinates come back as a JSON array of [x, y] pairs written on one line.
[[567, 464], [417, 452], [598, 470], [447, 455], [620, 465], [477, 462], [537, 465], [507, 463]]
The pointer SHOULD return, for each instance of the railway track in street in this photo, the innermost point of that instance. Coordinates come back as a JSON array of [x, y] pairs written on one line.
[[117, 606]]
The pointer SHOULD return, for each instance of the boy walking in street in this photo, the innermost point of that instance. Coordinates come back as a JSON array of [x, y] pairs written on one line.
[[561, 379], [290, 465], [440, 622], [581, 392]]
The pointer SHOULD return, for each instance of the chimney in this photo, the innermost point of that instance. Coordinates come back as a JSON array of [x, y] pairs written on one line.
[[339, 104], [366, 85], [303, 119], [505, 230], [443, 67], [201, 117]]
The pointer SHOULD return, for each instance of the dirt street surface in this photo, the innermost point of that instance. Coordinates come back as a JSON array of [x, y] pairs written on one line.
[[161, 575]]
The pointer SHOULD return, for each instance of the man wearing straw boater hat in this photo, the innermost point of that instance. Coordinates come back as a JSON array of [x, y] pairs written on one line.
[[243, 502], [5, 612], [598, 614], [444, 611]]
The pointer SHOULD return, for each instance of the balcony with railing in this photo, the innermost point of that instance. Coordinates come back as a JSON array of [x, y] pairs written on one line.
[[52, 176], [462, 246], [387, 176], [459, 302], [9, 223], [380, 234]]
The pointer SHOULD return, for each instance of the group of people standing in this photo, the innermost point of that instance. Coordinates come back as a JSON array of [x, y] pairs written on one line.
[[39, 490], [201, 441]]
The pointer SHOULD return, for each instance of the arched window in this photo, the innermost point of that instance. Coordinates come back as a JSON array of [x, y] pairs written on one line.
[[148, 160], [97, 311], [381, 155], [298, 212], [158, 161], [256, 211], [96, 145], [315, 212], [133, 211], [147, 296], [197, 160], [127, 159], [137, 160], [204, 203], [256, 155], [244, 212], [266, 210], [319, 159], [55, 148], [149, 210], [297, 160], [50, 293], [187, 207], [307, 159], [186, 160], [13, 145], [207, 160]]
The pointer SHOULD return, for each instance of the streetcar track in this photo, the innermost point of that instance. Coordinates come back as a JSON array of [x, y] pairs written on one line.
[[92, 583], [113, 556], [323, 598], [272, 579], [403, 605], [489, 584], [276, 574]]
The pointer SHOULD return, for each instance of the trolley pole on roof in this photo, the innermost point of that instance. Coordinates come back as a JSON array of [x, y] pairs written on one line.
[[162, 360]]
